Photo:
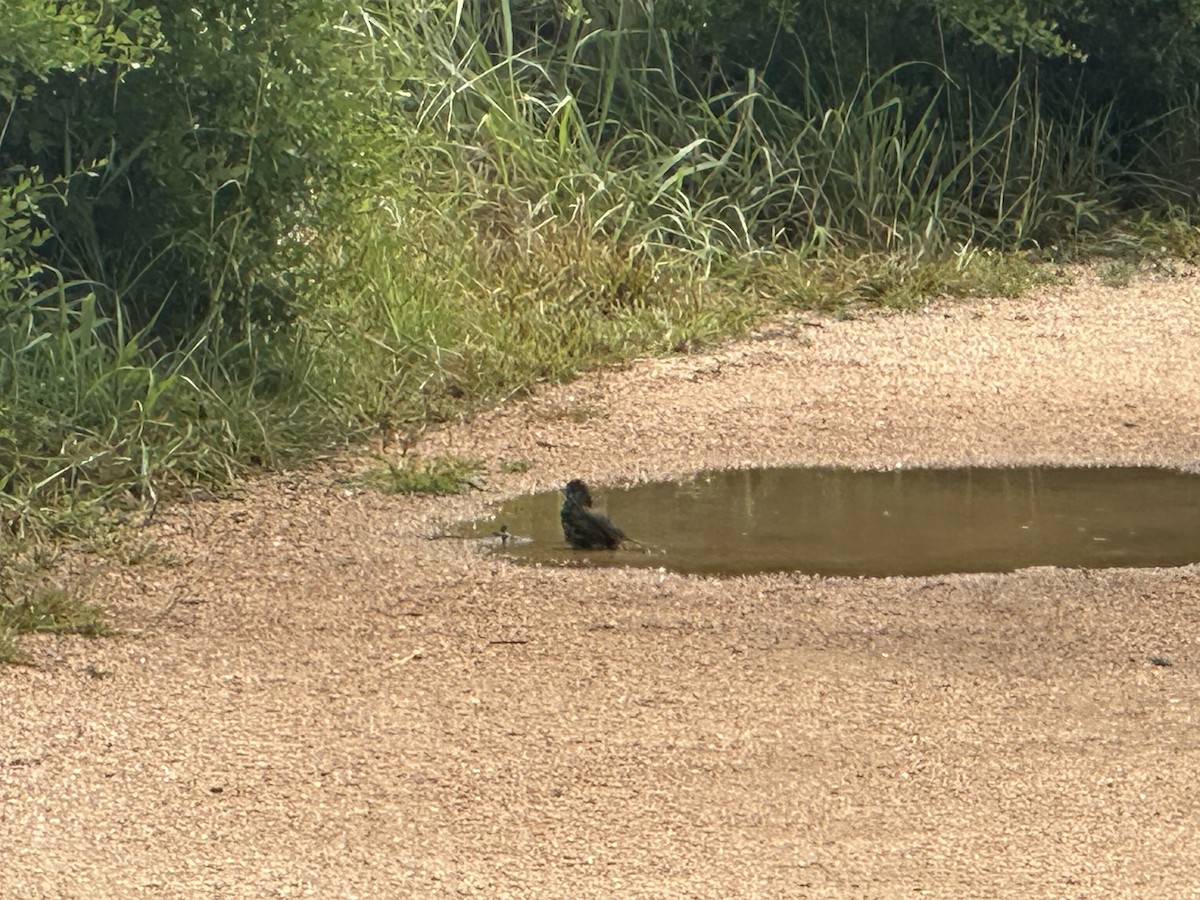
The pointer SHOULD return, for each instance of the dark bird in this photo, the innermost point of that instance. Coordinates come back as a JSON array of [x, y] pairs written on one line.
[[583, 528]]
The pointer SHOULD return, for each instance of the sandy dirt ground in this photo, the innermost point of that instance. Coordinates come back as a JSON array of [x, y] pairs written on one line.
[[313, 698]]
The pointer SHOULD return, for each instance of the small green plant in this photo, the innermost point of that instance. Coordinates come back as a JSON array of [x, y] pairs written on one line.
[[515, 466], [436, 475], [47, 611], [54, 611], [992, 274], [10, 653], [578, 413], [1118, 273]]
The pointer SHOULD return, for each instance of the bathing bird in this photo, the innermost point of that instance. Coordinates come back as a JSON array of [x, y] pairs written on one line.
[[583, 528]]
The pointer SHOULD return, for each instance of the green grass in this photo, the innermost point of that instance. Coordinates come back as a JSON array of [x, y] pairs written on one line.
[[10, 651], [437, 475], [894, 281], [1118, 273], [469, 319], [54, 611], [516, 466], [47, 611]]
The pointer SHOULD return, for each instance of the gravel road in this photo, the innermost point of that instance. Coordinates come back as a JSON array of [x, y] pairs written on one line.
[[314, 697]]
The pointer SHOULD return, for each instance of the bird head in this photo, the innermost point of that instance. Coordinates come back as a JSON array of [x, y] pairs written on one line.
[[577, 492]]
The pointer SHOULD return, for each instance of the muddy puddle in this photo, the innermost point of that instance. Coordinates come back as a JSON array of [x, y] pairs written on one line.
[[872, 523]]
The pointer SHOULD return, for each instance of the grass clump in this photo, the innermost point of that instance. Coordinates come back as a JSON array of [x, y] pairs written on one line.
[[896, 281], [438, 475], [490, 304], [47, 611], [1118, 273], [10, 652], [54, 611]]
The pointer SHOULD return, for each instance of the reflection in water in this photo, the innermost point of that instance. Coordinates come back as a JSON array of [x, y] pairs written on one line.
[[901, 522]]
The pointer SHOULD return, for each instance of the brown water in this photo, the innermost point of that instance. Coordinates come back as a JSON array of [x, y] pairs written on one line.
[[901, 522]]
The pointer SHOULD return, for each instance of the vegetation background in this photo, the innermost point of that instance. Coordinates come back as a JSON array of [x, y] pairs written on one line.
[[235, 235]]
